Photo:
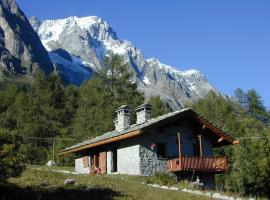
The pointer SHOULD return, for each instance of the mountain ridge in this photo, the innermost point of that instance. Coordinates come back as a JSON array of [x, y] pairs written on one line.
[[22, 52], [88, 40]]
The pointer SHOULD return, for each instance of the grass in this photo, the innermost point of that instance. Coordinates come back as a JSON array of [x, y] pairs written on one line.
[[38, 184]]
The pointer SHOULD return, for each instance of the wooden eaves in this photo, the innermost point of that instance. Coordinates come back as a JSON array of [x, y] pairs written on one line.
[[102, 142]]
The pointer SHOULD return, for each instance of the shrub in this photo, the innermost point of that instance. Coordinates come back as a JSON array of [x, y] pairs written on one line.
[[11, 160], [163, 179]]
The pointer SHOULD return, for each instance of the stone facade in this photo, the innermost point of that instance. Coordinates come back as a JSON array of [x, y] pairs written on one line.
[[122, 121], [149, 163], [143, 113], [128, 160], [79, 168]]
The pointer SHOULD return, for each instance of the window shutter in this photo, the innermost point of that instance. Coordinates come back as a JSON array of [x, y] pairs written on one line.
[[85, 161]]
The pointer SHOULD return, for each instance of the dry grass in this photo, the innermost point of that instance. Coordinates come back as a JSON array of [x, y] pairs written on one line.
[[36, 184]]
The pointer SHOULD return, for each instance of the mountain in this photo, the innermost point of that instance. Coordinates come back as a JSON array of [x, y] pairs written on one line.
[[21, 51], [78, 47]]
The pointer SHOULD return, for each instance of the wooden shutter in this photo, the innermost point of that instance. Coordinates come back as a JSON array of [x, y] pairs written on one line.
[[103, 162], [85, 161]]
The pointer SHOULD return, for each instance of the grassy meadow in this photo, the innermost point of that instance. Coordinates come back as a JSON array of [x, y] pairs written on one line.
[[46, 184]]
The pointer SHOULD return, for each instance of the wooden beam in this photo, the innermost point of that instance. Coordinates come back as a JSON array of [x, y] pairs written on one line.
[[179, 150], [236, 142], [215, 130], [220, 139], [106, 141], [200, 143], [203, 127]]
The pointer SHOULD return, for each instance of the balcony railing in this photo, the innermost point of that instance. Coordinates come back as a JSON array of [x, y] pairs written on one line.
[[205, 164]]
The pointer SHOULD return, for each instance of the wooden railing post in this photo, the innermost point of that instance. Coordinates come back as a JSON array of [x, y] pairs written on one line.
[[179, 150]]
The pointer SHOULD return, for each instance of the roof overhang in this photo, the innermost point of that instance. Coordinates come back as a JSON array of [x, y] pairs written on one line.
[[103, 142]]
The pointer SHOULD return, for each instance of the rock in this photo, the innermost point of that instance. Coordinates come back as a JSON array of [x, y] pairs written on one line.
[[198, 192], [63, 171], [174, 188], [239, 199], [69, 182], [232, 198], [208, 194], [184, 190], [224, 197], [164, 187], [51, 163], [216, 195], [190, 191], [22, 52], [155, 185]]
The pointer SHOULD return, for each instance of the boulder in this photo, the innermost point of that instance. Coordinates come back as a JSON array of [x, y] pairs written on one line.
[[69, 182], [51, 163]]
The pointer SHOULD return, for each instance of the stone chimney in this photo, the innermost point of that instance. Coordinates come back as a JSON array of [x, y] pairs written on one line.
[[143, 113], [122, 121]]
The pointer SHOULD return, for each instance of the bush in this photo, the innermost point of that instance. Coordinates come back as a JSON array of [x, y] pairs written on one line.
[[11, 160], [163, 179]]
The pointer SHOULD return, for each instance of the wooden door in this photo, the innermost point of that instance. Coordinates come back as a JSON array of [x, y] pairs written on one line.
[[103, 162]]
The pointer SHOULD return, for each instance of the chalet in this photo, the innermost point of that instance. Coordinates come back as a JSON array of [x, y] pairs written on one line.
[[181, 142]]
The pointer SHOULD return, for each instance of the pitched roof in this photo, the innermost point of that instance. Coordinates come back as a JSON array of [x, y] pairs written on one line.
[[137, 129]]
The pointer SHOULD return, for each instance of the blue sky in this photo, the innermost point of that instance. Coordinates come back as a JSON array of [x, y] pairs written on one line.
[[227, 40]]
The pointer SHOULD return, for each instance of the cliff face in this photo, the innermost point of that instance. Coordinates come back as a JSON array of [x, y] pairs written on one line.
[[21, 51]]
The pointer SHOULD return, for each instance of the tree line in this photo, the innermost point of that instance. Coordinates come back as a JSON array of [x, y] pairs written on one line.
[[46, 112], [244, 117], [33, 116]]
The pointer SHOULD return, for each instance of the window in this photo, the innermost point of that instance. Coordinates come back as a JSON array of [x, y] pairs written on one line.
[[161, 150], [114, 160]]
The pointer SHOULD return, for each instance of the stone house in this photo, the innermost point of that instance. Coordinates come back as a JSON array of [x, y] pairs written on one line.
[[181, 142]]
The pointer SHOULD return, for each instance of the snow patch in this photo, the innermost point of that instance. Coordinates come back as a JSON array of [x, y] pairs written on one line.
[[146, 80]]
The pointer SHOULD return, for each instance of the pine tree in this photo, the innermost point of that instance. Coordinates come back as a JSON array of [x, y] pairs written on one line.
[[11, 160], [255, 104]]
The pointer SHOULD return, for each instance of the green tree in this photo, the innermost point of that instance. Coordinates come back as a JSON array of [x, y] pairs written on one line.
[[241, 97], [11, 160], [255, 104], [40, 113], [100, 96], [158, 107], [248, 162]]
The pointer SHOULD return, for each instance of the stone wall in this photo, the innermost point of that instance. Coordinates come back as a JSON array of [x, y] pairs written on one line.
[[149, 163], [79, 166], [128, 159]]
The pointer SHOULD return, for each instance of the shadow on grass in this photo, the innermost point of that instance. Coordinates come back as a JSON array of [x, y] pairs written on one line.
[[8, 192]]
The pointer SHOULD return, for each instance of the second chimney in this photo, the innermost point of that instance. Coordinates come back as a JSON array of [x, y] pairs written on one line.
[[143, 113]]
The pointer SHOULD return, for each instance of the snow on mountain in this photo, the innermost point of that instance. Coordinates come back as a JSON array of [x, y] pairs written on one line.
[[78, 47]]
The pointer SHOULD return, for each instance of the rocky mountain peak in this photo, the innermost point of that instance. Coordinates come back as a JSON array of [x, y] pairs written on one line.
[[21, 51], [35, 22], [79, 45]]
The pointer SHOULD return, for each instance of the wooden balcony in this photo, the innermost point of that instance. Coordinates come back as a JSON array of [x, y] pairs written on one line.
[[199, 164]]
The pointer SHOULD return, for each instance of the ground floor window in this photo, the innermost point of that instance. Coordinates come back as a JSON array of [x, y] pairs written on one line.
[[114, 160], [161, 150]]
